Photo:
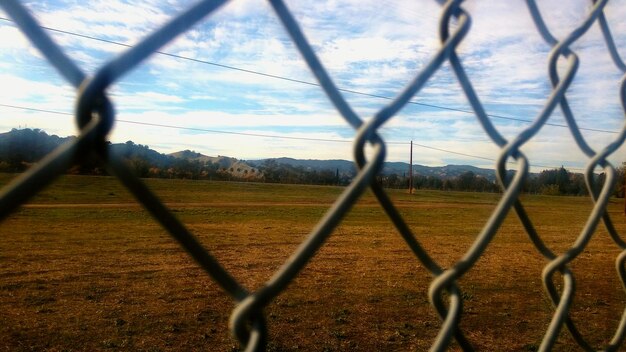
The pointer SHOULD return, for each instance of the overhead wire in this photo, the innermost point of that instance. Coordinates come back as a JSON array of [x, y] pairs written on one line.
[[299, 81], [293, 80]]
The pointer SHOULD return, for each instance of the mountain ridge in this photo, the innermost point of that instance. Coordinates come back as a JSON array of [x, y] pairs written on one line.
[[29, 145], [19, 149], [389, 167]]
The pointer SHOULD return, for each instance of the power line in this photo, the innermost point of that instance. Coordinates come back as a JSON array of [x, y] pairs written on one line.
[[190, 128], [294, 80], [247, 134], [259, 135]]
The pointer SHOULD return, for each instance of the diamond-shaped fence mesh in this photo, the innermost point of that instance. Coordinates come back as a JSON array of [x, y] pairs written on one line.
[[95, 116]]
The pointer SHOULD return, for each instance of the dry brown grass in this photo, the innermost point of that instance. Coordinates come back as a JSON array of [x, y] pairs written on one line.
[[95, 277]]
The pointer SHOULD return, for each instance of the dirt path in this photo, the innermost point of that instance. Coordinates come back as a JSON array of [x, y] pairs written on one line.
[[399, 204], [169, 205]]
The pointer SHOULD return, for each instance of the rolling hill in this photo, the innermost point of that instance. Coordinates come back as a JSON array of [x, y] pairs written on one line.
[[18, 148]]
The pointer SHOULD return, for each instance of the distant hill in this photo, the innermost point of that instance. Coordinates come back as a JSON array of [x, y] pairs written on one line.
[[232, 166], [389, 168], [224, 161], [444, 172], [344, 166], [20, 148], [27, 145]]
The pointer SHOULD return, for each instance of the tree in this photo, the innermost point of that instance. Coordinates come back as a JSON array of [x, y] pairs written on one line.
[[619, 190], [562, 180], [465, 181], [556, 182]]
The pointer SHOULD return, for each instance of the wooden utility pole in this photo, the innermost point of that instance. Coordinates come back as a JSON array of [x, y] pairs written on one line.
[[411, 171], [624, 186]]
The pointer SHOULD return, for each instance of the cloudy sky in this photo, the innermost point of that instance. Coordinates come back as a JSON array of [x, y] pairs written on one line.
[[238, 86]]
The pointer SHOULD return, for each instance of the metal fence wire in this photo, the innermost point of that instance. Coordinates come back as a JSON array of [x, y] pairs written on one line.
[[95, 117]]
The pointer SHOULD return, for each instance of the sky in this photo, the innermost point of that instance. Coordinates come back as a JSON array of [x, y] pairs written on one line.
[[239, 87]]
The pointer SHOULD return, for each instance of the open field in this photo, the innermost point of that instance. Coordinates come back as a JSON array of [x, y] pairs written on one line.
[[82, 267]]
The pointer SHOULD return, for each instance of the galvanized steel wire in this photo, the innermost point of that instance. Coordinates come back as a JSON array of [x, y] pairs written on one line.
[[95, 117]]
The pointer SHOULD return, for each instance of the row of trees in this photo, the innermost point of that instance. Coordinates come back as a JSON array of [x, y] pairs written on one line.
[[284, 173], [556, 182], [20, 148], [548, 182], [467, 181]]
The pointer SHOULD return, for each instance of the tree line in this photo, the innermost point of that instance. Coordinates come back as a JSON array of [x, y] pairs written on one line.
[[466, 181], [558, 181], [21, 148]]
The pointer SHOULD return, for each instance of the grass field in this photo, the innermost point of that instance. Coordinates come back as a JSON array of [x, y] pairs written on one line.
[[83, 267]]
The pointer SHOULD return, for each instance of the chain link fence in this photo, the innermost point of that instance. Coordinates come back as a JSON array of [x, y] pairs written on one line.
[[95, 116]]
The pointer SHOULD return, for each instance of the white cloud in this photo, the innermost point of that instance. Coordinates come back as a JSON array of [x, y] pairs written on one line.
[[109, 19], [46, 95], [13, 39], [221, 120]]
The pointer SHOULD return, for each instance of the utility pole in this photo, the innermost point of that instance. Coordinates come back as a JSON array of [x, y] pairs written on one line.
[[624, 186], [411, 171]]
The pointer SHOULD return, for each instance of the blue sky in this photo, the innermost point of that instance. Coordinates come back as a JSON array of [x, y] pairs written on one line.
[[371, 47]]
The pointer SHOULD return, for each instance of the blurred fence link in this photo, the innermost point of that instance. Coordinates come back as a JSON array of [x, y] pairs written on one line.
[[95, 117]]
